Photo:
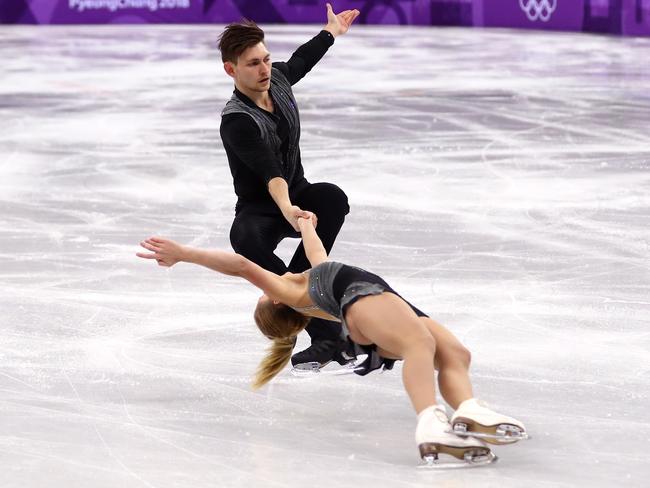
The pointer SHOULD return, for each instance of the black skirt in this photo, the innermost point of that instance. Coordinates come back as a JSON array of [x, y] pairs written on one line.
[[350, 284]]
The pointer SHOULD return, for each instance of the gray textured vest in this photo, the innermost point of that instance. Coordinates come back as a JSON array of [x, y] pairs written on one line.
[[284, 102]]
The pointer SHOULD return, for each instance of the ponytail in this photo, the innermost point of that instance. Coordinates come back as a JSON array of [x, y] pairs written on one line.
[[281, 324], [276, 359]]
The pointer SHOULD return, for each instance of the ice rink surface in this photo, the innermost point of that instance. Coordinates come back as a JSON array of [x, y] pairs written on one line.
[[498, 179]]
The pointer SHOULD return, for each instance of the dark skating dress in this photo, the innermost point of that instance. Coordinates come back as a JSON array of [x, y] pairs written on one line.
[[334, 286]]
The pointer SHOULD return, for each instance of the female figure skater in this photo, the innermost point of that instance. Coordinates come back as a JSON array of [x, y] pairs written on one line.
[[376, 319]]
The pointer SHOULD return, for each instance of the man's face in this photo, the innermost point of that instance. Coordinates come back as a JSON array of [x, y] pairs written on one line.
[[253, 69]]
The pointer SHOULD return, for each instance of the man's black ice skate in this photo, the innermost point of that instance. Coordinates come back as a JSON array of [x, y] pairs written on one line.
[[321, 353]]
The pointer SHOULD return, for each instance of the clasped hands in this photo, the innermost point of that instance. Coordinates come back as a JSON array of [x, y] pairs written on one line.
[[294, 213], [310, 220]]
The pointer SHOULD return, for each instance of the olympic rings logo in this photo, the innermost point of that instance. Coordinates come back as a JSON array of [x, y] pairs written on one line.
[[538, 9]]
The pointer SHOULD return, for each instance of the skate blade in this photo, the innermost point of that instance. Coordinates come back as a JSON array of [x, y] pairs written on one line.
[[437, 456], [499, 434], [313, 369]]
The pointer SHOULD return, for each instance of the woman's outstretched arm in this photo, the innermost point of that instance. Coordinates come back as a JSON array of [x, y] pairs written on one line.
[[167, 253]]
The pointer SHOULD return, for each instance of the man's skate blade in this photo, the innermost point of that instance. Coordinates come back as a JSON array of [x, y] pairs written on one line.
[[494, 434], [437, 456], [312, 369]]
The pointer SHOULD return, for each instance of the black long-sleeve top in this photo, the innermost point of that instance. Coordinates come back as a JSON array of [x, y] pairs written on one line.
[[252, 162]]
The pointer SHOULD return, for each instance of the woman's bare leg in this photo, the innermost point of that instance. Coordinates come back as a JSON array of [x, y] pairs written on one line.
[[452, 362], [390, 323]]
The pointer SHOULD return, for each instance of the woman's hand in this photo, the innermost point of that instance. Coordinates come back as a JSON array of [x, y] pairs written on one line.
[[165, 251], [311, 221]]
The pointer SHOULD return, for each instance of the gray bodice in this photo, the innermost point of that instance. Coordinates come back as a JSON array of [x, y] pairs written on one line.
[[362, 283], [321, 282]]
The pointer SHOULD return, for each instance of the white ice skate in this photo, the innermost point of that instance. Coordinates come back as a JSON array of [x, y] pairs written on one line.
[[474, 419], [433, 437]]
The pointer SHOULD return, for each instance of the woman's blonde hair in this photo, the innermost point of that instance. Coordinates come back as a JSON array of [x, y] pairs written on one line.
[[281, 324]]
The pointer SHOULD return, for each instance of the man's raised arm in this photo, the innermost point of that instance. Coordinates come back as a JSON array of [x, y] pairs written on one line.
[[307, 55]]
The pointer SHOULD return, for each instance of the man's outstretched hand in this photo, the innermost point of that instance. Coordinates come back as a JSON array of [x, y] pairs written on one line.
[[338, 24]]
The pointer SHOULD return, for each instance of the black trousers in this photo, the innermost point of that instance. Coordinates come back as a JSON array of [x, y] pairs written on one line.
[[258, 228]]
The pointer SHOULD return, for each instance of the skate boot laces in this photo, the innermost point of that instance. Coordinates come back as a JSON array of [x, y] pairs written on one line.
[[441, 414]]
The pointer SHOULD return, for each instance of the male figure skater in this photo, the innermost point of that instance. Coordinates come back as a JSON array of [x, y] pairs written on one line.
[[260, 130]]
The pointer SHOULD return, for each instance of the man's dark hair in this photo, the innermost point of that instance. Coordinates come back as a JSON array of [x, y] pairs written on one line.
[[237, 37]]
